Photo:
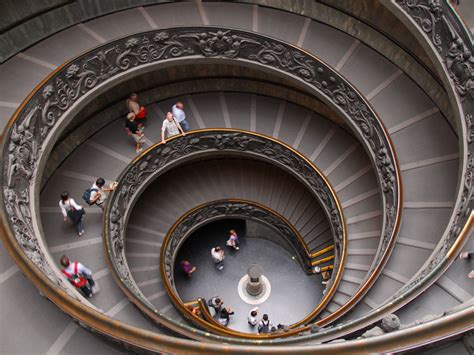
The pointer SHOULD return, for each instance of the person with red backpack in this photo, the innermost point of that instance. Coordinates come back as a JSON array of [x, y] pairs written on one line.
[[78, 275]]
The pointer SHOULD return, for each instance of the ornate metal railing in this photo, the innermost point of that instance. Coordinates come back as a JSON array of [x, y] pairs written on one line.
[[156, 160], [40, 119], [232, 208]]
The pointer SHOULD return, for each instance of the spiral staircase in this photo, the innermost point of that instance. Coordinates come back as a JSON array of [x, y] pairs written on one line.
[[365, 113]]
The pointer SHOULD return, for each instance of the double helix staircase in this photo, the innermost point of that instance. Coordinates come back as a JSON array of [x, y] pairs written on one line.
[[425, 141]]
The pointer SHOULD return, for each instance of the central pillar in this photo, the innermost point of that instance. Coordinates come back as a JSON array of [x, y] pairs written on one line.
[[254, 285]]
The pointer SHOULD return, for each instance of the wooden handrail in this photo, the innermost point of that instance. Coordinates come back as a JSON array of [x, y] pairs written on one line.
[[321, 261], [322, 251]]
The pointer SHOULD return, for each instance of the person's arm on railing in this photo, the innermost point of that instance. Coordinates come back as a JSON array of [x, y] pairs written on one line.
[[163, 129], [111, 188]]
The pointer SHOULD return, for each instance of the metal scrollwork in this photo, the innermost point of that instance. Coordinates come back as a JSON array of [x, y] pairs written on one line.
[[437, 21], [277, 55], [427, 14], [220, 43]]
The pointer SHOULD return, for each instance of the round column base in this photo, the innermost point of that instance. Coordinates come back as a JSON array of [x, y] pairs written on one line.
[[261, 297]]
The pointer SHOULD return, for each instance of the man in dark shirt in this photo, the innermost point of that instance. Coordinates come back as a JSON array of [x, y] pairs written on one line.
[[133, 129]]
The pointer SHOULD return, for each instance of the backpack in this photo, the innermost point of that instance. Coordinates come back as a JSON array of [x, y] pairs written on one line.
[[141, 113], [86, 196], [76, 279], [264, 327]]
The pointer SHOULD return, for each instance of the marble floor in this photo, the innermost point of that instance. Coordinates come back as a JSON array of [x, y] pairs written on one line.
[[293, 293]]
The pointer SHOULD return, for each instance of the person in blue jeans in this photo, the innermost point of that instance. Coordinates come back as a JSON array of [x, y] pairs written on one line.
[[180, 116], [71, 210]]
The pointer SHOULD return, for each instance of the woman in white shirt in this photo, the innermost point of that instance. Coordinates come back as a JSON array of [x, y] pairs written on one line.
[[218, 256], [170, 127], [70, 209]]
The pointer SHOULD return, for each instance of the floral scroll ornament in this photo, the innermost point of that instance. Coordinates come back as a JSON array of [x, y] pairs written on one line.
[[102, 63], [290, 60], [141, 50], [427, 14], [81, 81], [458, 56], [220, 43], [117, 248], [460, 64]]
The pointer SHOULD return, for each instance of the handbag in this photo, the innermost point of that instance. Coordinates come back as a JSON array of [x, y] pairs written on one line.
[[76, 215], [141, 113]]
